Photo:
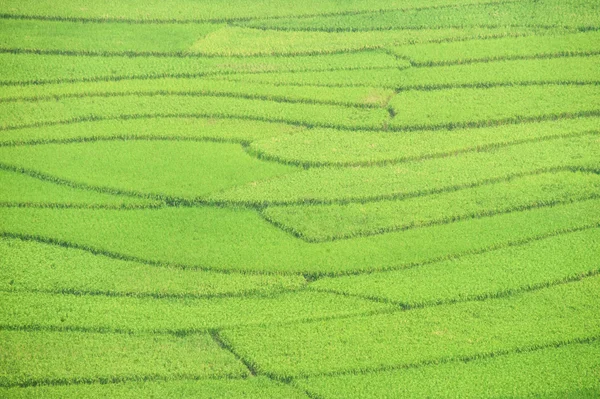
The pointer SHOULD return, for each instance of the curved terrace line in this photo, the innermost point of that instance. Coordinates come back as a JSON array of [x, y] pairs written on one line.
[[257, 152], [471, 298], [358, 29], [386, 310], [463, 61], [65, 205], [259, 204], [418, 87], [191, 93], [95, 79], [112, 379], [255, 293], [182, 54], [310, 276], [437, 222], [462, 359], [385, 127], [233, 19]]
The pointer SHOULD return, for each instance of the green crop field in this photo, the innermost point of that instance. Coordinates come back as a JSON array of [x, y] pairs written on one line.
[[300, 199]]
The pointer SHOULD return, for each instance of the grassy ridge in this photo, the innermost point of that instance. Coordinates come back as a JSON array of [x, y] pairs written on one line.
[[330, 222], [501, 48], [130, 106], [192, 128], [430, 335], [574, 13], [576, 70], [176, 315], [22, 190], [385, 78], [236, 239], [257, 387], [239, 41], [34, 357], [357, 96], [159, 168], [568, 371], [22, 69], [323, 147], [186, 10], [363, 184], [39, 267], [512, 72], [507, 270], [497, 105]]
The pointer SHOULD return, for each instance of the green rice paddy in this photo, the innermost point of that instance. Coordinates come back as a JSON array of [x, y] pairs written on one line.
[[314, 199]]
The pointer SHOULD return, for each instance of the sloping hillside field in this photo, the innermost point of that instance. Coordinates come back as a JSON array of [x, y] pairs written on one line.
[[300, 199]]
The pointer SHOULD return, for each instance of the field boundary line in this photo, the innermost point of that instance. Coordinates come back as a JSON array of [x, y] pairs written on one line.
[[174, 201], [423, 87], [125, 137], [234, 19], [437, 222], [105, 380], [483, 60], [257, 152], [457, 359], [472, 298], [391, 308], [150, 262], [516, 120], [355, 29], [209, 75], [259, 204], [194, 93], [507, 244], [59, 205], [183, 54], [252, 367], [308, 276], [254, 293]]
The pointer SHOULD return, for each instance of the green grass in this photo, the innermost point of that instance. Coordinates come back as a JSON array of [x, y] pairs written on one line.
[[575, 70], [384, 78], [415, 178], [318, 199], [21, 190], [239, 41], [546, 317], [574, 13], [258, 387], [237, 239], [34, 357], [571, 70], [581, 43], [34, 68], [190, 128], [324, 147], [39, 267], [481, 107], [497, 273], [357, 96], [186, 10], [93, 37], [566, 371], [330, 222], [101, 313], [157, 168], [71, 110]]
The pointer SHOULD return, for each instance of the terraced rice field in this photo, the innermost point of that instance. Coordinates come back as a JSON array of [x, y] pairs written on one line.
[[300, 199]]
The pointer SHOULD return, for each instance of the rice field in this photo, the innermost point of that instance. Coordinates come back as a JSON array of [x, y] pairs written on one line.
[[315, 199]]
